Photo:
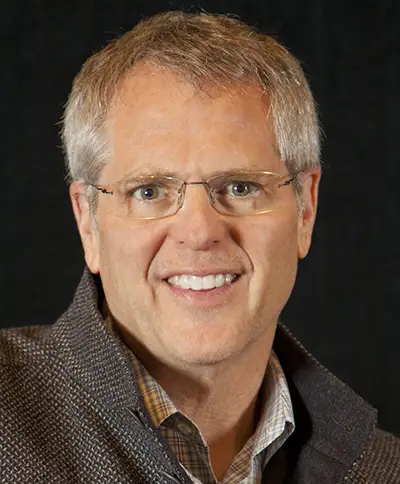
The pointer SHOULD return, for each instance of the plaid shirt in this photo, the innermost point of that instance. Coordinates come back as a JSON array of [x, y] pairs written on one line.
[[185, 439]]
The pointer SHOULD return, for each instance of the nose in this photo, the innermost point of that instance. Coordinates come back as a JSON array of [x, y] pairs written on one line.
[[197, 225]]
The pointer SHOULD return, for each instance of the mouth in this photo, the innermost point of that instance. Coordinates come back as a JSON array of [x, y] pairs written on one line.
[[209, 282]]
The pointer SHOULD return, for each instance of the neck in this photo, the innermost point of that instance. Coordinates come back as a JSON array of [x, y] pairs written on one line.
[[221, 399]]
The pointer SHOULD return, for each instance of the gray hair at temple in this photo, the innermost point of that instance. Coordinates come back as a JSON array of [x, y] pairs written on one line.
[[211, 52]]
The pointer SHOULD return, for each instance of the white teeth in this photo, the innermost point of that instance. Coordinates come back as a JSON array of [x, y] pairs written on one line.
[[197, 283], [219, 280], [182, 282], [208, 282], [229, 278]]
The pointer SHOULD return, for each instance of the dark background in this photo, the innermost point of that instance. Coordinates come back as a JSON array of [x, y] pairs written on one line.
[[345, 305]]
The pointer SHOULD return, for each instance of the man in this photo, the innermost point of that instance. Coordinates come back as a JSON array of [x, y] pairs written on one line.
[[193, 153]]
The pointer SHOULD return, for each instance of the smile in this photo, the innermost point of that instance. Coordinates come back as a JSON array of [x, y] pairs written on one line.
[[201, 283]]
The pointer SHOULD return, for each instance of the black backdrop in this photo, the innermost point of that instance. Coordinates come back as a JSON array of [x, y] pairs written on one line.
[[344, 307]]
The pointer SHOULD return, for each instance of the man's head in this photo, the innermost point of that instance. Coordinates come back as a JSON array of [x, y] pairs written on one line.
[[193, 96]]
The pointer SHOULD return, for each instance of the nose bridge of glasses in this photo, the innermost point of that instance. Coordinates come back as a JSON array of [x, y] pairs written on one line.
[[182, 191]]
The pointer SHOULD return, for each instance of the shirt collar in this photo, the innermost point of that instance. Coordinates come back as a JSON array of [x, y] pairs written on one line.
[[158, 405], [277, 410], [276, 406]]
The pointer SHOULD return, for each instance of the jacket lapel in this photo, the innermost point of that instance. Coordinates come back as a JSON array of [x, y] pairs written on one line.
[[333, 423], [95, 359]]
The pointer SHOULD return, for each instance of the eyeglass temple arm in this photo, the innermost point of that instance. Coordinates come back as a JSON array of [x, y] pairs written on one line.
[[289, 181], [101, 189]]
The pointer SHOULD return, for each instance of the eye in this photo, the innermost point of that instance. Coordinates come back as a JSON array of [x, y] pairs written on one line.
[[240, 188], [148, 192]]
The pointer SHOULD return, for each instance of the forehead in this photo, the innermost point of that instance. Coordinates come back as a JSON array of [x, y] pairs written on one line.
[[157, 118]]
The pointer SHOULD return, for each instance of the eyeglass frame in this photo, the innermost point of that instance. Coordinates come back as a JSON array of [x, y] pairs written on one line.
[[106, 189]]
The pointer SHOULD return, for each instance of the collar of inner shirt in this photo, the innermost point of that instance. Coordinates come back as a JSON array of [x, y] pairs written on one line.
[[276, 416]]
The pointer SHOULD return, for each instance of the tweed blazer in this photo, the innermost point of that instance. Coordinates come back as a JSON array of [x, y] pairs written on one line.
[[71, 413]]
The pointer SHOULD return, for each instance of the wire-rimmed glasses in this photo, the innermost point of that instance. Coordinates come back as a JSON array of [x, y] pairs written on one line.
[[158, 196]]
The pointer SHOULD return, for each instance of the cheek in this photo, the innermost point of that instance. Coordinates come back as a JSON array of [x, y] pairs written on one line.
[[127, 249], [272, 248]]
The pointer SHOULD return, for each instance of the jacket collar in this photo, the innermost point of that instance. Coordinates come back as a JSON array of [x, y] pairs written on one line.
[[333, 424], [90, 351]]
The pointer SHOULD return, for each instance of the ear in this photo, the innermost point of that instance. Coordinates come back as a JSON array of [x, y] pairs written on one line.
[[86, 225], [307, 216]]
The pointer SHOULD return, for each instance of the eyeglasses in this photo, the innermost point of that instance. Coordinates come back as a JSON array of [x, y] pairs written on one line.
[[236, 194]]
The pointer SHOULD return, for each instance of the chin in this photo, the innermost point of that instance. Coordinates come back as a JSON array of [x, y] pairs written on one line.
[[208, 351], [205, 358]]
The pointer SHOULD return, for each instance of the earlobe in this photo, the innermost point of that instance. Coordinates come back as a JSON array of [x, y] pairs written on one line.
[[304, 243], [86, 227], [307, 216]]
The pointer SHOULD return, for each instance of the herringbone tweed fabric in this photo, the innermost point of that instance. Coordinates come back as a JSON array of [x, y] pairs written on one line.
[[380, 463], [71, 413]]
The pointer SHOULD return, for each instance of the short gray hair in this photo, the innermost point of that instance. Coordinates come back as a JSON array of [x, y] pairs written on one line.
[[207, 51]]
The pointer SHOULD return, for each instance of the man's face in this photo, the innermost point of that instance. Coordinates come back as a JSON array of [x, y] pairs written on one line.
[[161, 124]]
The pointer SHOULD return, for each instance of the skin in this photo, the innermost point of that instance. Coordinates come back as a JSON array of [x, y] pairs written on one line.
[[210, 357]]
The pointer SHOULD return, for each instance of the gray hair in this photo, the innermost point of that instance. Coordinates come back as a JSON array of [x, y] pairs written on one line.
[[207, 51]]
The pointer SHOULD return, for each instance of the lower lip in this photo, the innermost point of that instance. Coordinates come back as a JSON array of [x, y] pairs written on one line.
[[205, 297]]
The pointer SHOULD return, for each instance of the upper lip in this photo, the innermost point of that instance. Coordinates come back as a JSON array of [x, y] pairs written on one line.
[[199, 272]]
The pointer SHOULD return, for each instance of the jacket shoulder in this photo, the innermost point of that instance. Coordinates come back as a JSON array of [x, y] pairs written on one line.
[[26, 402], [23, 352], [380, 462], [21, 346]]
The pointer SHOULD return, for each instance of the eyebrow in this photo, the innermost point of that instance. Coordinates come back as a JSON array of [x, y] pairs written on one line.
[[149, 172], [180, 176]]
